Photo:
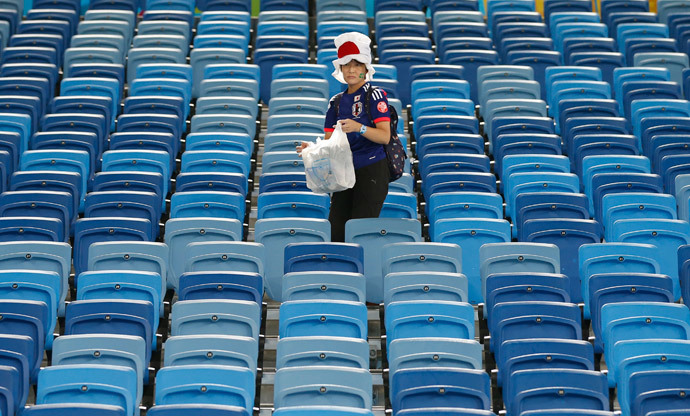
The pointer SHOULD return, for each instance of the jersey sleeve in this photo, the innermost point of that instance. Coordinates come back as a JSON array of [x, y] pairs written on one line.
[[379, 106], [331, 117]]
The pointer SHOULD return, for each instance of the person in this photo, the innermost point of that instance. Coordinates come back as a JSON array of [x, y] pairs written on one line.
[[366, 135]]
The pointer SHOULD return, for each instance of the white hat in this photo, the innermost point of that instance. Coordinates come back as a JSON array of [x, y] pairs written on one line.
[[352, 45]]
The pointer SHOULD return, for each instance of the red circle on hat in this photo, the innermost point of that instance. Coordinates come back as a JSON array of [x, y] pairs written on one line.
[[348, 48]]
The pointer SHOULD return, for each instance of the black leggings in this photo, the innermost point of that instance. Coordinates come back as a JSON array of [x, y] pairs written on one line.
[[364, 200]]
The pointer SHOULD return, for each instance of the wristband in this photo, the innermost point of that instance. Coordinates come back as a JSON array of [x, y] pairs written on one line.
[[363, 129]]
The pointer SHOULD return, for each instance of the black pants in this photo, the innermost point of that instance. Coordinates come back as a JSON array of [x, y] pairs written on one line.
[[364, 200]]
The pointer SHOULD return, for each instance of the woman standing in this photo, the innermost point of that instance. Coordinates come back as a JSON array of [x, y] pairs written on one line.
[[362, 111]]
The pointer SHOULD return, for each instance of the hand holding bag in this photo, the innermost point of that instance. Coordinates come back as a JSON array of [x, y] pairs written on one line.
[[328, 164]]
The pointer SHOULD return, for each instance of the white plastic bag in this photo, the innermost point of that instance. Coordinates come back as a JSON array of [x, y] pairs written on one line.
[[328, 163]]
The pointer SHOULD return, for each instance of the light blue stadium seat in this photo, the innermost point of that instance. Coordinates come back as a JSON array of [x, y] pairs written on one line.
[[216, 161], [227, 385], [179, 232], [140, 56], [275, 234], [322, 351], [411, 286], [324, 285], [44, 256], [373, 234], [103, 349], [666, 235], [292, 204], [231, 256], [636, 205], [229, 87], [323, 318], [347, 387], [207, 204], [411, 319], [282, 162], [233, 317], [112, 385], [224, 350], [200, 58]]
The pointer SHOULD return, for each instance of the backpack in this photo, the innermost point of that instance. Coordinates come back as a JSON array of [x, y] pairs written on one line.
[[395, 151]]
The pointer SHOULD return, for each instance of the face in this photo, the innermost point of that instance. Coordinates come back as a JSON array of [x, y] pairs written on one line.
[[354, 72]]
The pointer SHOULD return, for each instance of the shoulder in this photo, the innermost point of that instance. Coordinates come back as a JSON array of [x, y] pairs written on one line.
[[378, 94]]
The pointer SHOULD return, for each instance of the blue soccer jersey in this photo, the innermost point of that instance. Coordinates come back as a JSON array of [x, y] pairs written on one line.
[[364, 151]]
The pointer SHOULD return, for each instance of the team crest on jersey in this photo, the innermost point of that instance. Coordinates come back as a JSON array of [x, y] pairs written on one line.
[[357, 108], [382, 107]]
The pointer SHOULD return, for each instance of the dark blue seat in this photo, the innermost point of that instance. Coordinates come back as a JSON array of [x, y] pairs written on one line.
[[624, 287], [85, 104], [91, 230], [27, 319], [515, 320], [526, 354], [104, 70], [124, 317], [568, 235], [658, 390], [21, 104], [16, 352], [72, 140], [524, 286], [141, 140], [549, 205], [421, 388], [591, 125], [31, 228], [129, 181], [221, 285], [343, 257], [606, 183], [561, 389], [128, 204]]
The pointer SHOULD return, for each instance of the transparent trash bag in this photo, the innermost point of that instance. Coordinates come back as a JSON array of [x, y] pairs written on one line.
[[328, 163]]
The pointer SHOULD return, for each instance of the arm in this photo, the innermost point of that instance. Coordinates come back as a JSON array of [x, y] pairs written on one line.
[[380, 134]]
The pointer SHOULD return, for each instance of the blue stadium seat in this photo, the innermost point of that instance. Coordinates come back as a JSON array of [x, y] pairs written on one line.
[[323, 318], [105, 384], [85, 409], [417, 388], [347, 387], [324, 285], [275, 234], [337, 257], [179, 232], [229, 386], [104, 349], [221, 285], [234, 317], [319, 351], [225, 350], [530, 387]]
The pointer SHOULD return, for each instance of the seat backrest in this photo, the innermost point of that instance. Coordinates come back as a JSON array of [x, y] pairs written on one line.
[[517, 257], [324, 285], [111, 385], [232, 317], [323, 318], [322, 351], [372, 235], [275, 234], [227, 350], [349, 387], [230, 386], [411, 388]]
